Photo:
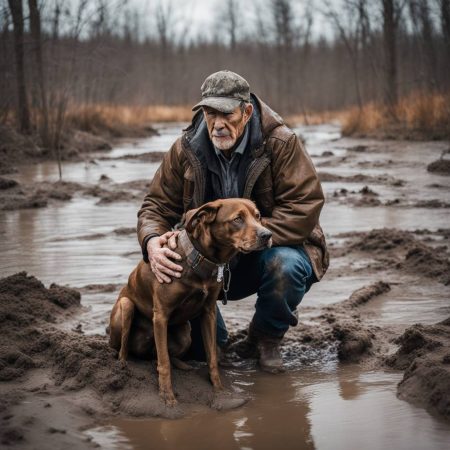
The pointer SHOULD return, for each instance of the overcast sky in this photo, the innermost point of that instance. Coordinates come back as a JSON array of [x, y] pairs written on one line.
[[203, 15]]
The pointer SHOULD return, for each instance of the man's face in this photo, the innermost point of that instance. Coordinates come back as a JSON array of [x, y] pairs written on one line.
[[226, 128]]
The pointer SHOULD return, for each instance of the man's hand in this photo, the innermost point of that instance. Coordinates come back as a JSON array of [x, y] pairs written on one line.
[[160, 258]]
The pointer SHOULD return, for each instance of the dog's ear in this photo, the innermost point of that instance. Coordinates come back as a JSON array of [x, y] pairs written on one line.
[[205, 214]]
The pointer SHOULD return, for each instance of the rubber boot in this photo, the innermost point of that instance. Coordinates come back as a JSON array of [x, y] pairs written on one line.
[[263, 347]]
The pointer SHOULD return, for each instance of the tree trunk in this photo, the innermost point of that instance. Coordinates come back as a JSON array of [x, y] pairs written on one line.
[[35, 28], [445, 24], [23, 113], [390, 54]]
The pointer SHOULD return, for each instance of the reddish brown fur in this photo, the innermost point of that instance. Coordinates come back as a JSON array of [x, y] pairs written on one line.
[[149, 316]]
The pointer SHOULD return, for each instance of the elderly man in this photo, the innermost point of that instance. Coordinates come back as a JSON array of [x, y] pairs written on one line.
[[237, 146]]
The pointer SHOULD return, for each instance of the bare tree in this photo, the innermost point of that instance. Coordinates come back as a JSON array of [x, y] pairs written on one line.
[[390, 22], [23, 114], [350, 36], [445, 25], [231, 21], [35, 28], [164, 25], [5, 95], [422, 22], [282, 16], [91, 54]]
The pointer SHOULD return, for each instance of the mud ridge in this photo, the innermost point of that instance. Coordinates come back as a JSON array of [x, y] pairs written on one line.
[[361, 178], [14, 196], [33, 347], [399, 250], [441, 167], [425, 354]]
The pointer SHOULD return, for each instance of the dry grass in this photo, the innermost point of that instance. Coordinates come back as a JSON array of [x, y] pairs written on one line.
[[122, 120], [417, 116], [316, 118]]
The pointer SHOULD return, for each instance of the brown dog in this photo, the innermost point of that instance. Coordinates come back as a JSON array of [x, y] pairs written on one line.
[[150, 316]]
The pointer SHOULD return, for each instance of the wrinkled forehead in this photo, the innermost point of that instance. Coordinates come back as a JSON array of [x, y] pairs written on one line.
[[234, 207]]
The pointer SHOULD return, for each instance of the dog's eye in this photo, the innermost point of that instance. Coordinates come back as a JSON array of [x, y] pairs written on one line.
[[237, 219], [258, 216]]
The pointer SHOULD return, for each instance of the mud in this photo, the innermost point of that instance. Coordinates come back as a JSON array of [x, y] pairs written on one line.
[[361, 178], [402, 251], [337, 332], [441, 166], [61, 376], [109, 195], [14, 148], [17, 150], [424, 354], [144, 157], [73, 362], [16, 196], [366, 196]]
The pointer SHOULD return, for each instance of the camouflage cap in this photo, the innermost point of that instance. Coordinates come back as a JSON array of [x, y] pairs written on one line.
[[224, 91]]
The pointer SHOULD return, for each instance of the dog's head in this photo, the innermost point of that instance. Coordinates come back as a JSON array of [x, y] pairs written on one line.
[[231, 223]]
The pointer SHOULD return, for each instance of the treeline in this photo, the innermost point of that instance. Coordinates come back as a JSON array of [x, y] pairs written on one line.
[[54, 54]]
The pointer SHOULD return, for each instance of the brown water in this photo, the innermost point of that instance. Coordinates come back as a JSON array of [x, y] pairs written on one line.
[[320, 405], [338, 408]]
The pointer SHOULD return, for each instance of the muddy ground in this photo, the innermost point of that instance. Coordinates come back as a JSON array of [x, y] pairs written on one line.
[[75, 145], [69, 371], [57, 380]]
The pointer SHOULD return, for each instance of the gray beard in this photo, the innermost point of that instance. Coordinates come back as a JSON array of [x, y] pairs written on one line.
[[224, 145]]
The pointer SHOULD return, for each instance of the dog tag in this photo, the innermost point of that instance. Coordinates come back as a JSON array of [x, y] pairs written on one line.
[[220, 273]]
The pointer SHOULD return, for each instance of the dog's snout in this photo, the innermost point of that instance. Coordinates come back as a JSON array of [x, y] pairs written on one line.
[[265, 235]]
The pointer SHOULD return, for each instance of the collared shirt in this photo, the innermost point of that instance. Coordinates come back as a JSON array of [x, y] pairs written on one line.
[[229, 167]]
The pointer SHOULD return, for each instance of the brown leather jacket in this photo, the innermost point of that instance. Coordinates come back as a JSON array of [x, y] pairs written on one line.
[[279, 177]]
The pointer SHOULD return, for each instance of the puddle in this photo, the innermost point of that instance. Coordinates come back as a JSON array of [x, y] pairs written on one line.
[[341, 408]]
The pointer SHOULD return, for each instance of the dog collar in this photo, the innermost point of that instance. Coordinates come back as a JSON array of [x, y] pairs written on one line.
[[204, 267], [200, 264]]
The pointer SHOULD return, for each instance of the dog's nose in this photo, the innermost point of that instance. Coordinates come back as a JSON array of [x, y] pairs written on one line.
[[265, 235]]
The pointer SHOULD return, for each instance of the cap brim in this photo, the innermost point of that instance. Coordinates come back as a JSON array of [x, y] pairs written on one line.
[[222, 104]]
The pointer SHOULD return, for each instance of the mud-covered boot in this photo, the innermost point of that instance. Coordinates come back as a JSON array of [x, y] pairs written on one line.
[[247, 348], [269, 354]]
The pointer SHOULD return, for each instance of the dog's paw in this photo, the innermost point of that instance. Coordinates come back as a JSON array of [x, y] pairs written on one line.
[[224, 400], [123, 363], [168, 398]]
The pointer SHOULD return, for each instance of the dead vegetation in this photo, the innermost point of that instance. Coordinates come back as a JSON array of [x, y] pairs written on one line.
[[416, 116], [123, 120]]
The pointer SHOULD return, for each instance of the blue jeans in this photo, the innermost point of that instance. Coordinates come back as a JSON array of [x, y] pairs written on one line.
[[280, 276]]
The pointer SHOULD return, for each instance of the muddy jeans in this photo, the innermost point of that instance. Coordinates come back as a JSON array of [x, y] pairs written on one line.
[[280, 276]]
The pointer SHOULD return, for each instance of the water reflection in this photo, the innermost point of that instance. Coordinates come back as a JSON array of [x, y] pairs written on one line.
[[346, 408], [361, 410], [276, 417]]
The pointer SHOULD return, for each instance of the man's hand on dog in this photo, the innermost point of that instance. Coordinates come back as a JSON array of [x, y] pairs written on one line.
[[160, 257]]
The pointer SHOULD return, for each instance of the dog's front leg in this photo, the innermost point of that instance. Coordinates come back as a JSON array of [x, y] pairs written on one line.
[[160, 321], [209, 340]]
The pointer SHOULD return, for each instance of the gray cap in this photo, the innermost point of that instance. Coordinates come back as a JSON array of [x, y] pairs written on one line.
[[224, 91]]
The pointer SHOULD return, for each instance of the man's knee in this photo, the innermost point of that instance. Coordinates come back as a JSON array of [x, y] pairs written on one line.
[[288, 265]]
